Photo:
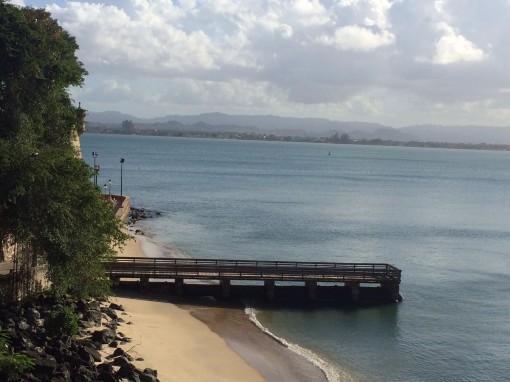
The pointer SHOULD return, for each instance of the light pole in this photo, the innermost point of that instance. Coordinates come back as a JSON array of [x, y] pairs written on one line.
[[121, 163], [109, 187], [105, 187], [95, 154]]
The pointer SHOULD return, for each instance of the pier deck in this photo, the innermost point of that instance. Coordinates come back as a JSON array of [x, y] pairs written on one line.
[[269, 272]]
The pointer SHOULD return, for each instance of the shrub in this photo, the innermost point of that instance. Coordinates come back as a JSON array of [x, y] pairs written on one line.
[[61, 322], [12, 365]]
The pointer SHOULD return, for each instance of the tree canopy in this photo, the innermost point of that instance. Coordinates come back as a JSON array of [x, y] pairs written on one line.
[[46, 197]]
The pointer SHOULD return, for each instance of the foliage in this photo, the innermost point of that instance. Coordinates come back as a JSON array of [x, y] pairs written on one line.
[[46, 197], [61, 322], [12, 365]]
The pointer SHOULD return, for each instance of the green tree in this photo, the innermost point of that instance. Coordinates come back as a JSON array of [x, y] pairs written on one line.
[[334, 138], [46, 197], [344, 138]]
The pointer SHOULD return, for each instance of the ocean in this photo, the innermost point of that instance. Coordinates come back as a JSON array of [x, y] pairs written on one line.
[[442, 216]]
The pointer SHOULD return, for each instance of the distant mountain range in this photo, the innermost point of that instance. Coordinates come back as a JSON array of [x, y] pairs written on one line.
[[303, 127]]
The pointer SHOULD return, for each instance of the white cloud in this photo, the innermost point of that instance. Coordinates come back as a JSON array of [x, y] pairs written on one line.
[[358, 38], [21, 3], [344, 59], [310, 12], [452, 47]]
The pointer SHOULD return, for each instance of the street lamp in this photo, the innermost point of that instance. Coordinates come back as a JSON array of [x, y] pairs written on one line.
[[105, 187], [121, 162], [110, 187], [95, 154]]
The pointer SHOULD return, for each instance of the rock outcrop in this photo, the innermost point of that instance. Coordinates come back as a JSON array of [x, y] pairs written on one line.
[[80, 359]]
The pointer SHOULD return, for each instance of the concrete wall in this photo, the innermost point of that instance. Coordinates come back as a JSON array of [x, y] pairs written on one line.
[[124, 207]]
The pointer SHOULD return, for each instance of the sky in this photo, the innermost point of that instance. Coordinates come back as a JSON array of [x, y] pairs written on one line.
[[395, 62]]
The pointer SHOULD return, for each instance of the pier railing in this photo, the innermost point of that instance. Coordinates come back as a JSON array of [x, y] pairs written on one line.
[[215, 269]]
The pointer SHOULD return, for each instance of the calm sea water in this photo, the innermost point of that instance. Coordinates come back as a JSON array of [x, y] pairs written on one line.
[[442, 216]]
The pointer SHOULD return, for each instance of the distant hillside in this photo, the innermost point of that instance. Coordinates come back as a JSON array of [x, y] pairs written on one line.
[[460, 134], [303, 127], [267, 123]]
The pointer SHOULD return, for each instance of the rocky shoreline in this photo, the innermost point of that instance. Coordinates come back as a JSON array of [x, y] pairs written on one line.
[[92, 355], [137, 214]]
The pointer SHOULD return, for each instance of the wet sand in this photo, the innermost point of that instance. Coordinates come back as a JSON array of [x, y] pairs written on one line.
[[201, 340], [272, 359]]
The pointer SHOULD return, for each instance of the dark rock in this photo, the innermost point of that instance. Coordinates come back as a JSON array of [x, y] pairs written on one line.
[[9, 323], [94, 305], [84, 374], [86, 324], [105, 367], [33, 314], [93, 315], [110, 313], [76, 361], [118, 352], [23, 325], [114, 344], [151, 372], [55, 352], [137, 214], [116, 307], [107, 377], [147, 377], [120, 361], [64, 375], [103, 336], [88, 351], [45, 365], [128, 371]]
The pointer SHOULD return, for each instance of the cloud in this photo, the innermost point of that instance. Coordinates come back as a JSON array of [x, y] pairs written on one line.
[[358, 39], [453, 47], [390, 61]]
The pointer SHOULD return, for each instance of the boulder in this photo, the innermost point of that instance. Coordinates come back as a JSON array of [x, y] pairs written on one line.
[[129, 372], [104, 336], [87, 351], [116, 307]]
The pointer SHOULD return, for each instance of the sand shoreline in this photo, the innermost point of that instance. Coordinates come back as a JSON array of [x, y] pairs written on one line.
[[205, 342]]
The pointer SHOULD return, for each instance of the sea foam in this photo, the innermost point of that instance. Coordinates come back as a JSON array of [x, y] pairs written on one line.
[[333, 373]]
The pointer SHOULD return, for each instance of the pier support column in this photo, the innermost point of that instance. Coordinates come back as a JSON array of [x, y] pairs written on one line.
[[179, 286], [270, 289], [144, 284], [354, 290], [225, 289], [394, 291], [312, 290]]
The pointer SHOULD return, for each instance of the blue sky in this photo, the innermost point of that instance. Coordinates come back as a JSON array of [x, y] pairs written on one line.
[[396, 62]]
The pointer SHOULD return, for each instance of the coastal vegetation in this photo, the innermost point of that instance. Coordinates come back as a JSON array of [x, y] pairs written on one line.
[[216, 132], [48, 205]]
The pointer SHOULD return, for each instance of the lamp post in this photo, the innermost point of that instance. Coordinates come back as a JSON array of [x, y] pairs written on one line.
[[121, 163], [109, 187], [105, 187], [95, 154]]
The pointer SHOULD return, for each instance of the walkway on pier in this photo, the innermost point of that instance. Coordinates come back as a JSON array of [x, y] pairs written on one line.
[[269, 272]]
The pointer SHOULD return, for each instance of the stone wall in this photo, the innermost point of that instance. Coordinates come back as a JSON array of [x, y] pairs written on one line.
[[123, 207]]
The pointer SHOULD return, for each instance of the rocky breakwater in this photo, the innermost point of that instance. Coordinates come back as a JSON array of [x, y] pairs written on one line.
[[137, 214], [94, 354]]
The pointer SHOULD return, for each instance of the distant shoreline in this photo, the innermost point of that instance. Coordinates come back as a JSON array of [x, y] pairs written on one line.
[[278, 138]]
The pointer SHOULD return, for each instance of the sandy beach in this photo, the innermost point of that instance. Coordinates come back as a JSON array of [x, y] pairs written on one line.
[[203, 342]]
